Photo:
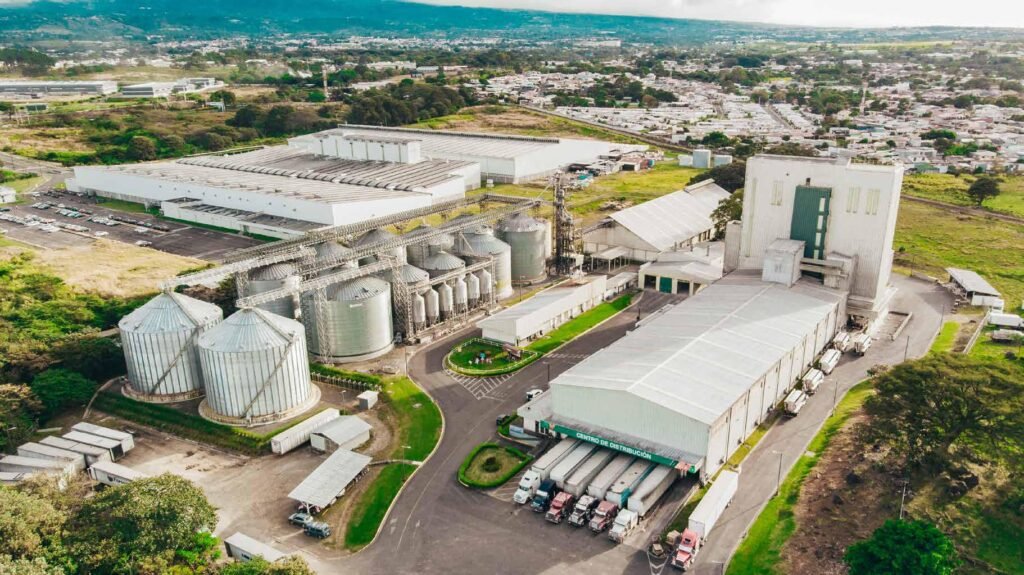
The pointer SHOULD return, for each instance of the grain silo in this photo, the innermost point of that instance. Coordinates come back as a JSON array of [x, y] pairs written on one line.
[[440, 263], [256, 369], [332, 251], [356, 320], [473, 290], [526, 236], [460, 295], [433, 305], [481, 242], [377, 236], [270, 278], [419, 311], [486, 285], [159, 341], [445, 298]]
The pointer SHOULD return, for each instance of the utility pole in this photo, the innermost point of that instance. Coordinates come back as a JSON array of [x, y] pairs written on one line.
[[903, 498], [906, 350], [835, 397], [778, 482]]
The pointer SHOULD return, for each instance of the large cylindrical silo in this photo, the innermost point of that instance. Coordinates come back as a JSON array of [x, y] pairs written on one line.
[[376, 236], [526, 237], [332, 251], [419, 311], [473, 289], [445, 303], [418, 252], [481, 242], [159, 341], [357, 319], [440, 263], [256, 369], [270, 278], [460, 295], [433, 305]]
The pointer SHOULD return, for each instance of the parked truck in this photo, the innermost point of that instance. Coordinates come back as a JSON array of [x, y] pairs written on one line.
[[651, 489], [91, 453], [627, 483], [579, 480], [40, 451], [553, 457], [861, 343], [604, 516], [829, 361], [686, 550], [598, 488], [573, 461], [625, 521], [711, 507], [546, 491], [126, 440], [560, 508], [842, 342], [527, 486], [110, 473], [812, 380], [794, 402], [583, 512]]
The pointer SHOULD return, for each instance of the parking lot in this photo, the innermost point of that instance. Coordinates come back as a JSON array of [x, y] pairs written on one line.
[[69, 220]]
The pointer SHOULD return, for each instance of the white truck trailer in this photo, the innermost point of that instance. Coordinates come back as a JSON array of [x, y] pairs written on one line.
[[842, 342], [91, 453], [829, 361], [861, 343], [625, 521], [576, 458], [581, 478], [109, 473], [598, 488], [126, 440], [627, 483], [794, 402], [40, 451], [652, 489], [112, 446], [22, 464], [711, 507], [293, 437], [553, 457], [812, 380]]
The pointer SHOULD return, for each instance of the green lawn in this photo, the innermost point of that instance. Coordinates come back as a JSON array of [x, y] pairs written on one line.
[[930, 239], [465, 354], [953, 190], [996, 352], [23, 185], [419, 419], [374, 503], [504, 461], [579, 324], [125, 206], [946, 338], [760, 552]]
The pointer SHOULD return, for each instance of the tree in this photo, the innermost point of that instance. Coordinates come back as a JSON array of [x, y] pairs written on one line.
[[983, 188], [174, 143], [905, 547], [98, 358], [730, 177], [144, 522], [246, 117], [648, 101], [225, 96], [35, 566], [728, 210], [715, 140], [29, 526], [19, 408], [141, 148], [62, 388], [792, 149], [924, 408], [293, 565]]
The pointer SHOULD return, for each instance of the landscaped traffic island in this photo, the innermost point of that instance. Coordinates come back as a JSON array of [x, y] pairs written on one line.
[[490, 465], [480, 357]]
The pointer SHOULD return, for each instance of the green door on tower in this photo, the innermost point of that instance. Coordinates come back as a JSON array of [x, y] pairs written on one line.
[[665, 285], [810, 219]]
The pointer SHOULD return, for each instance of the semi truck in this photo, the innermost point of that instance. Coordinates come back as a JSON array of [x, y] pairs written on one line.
[[583, 512], [711, 507], [812, 380], [627, 483], [577, 482], [560, 508], [527, 486], [861, 343], [126, 440], [794, 402], [546, 491], [553, 457], [40, 451], [651, 489], [625, 521], [842, 342], [686, 550], [829, 361], [604, 516], [598, 488], [576, 458]]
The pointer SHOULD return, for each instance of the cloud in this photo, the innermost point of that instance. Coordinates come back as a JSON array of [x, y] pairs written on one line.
[[861, 13]]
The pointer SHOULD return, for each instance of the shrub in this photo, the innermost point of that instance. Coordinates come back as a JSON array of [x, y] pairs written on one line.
[[524, 460]]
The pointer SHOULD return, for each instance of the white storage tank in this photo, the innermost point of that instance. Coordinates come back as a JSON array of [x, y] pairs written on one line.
[[358, 319], [419, 252], [481, 242], [433, 305], [256, 369], [460, 295], [445, 299], [270, 278], [486, 284], [419, 311], [472, 290], [527, 238], [159, 341], [335, 252]]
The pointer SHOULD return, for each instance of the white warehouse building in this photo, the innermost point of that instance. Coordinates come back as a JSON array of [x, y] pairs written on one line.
[[502, 158], [689, 386], [543, 312]]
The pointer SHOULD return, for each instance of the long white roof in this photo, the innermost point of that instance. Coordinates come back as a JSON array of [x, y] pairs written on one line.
[[700, 356], [972, 282], [663, 222], [326, 482], [443, 143]]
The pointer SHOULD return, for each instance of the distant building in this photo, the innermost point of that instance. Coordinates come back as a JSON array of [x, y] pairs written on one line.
[[30, 88], [7, 195]]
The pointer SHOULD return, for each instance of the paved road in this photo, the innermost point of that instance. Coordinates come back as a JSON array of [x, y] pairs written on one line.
[[789, 438], [438, 526], [22, 164]]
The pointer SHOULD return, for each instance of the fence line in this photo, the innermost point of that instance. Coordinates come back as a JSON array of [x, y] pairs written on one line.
[[345, 382]]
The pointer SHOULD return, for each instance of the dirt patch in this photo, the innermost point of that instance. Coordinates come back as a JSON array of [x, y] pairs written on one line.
[[382, 439], [843, 500], [501, 120], [114, 268]]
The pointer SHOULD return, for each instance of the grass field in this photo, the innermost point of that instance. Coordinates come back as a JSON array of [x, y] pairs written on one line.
[[953, 190], [930, 239], [23, 185], [374, 503], [947, 336], [579, 324], [124, 206], [760, 552], [419, 419]]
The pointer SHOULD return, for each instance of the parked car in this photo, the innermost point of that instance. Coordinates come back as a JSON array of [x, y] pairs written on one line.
[[300, 519], [318, 529]]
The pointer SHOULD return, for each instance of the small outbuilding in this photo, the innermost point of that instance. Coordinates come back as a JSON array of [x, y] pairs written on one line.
[[543, 312], [7, 195], [109, 473], [328, 482], [974, 288], [368, 399], [241, 547], [345, 432]]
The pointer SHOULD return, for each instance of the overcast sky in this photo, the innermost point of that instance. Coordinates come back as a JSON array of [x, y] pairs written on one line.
[[855, 13]]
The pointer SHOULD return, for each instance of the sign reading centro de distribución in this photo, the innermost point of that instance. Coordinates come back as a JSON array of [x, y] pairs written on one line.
[[616, 446]]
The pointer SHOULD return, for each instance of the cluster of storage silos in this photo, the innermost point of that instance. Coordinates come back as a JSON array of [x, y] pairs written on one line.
[[252, 366], [530, 241], [482, 242], [273, 277]]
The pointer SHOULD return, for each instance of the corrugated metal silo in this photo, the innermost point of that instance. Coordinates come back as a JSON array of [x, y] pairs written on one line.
[[433, 305], [445, 301], [481, 241], [460, 295], [486, 284], [358, 318], [473, 289], [419, 252], [525, 235], [440, 263], [270, 278], [159, 341], [255, 369], [334, 251], [419, 311], [376, 236]]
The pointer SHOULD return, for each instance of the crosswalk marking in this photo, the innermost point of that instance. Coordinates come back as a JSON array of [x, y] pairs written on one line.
[[480, 387]]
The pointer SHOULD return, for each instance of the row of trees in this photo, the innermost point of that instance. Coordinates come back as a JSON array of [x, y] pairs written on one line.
[[406, 103], [158, 525]]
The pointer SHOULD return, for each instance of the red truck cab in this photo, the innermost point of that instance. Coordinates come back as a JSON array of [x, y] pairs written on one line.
[[560, 507], [689, 544], [604, 516]]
